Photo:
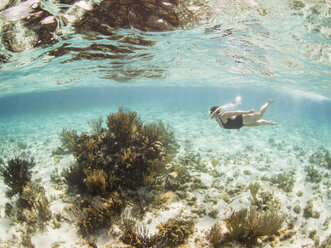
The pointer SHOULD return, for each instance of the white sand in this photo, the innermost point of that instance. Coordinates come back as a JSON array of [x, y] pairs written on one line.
[[244, 157]]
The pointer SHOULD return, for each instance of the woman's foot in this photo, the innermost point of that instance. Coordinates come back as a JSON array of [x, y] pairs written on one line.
[[270, 101]]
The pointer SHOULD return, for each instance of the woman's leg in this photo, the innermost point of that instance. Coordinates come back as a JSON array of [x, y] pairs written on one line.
[[264, 107], [254, 117]]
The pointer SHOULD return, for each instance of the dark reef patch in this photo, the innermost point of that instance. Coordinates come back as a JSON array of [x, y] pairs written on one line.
[[111, 164], [16, 174]]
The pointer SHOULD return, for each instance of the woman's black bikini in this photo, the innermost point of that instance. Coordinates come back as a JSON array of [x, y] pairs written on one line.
[[235, 123]]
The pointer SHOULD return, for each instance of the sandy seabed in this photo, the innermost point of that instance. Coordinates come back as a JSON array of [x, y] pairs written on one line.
[[221, 164]]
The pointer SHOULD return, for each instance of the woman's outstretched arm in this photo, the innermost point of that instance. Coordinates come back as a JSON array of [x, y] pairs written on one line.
[[239, 112]]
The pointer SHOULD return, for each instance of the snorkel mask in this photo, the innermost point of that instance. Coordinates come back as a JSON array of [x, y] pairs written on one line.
[[213, 113]]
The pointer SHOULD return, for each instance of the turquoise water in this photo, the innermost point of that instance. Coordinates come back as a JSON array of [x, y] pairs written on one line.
[[271, 51]]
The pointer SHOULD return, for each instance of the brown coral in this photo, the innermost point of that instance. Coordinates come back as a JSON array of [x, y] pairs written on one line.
[[171, 234], [137, 238], [96, 181], [263, 200], [156, 169], [123, 125], [284, 181], [16, 174], [68, 139], [217, 234], [125, 156], [32, 207], [129, 152], [175, 232], [90, 215], [248, 224]]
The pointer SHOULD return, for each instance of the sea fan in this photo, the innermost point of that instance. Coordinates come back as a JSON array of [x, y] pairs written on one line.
[[16, 174]]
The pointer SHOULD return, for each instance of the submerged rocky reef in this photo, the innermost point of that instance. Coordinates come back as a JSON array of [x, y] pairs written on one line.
[[30, 209], [125, 155], [127, 185], [113, 163]]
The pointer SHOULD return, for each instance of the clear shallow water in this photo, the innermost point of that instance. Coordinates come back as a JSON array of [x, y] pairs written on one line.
[[268, 52], [37, 119], [74, 107]]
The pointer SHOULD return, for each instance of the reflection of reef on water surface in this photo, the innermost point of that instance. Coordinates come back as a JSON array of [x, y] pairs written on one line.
[[128, 55], [26, 25], [123, 53], [144, 15], [43, 25]]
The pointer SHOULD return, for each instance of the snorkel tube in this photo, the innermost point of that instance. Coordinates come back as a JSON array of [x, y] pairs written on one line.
[[229, 106], [226, 106]]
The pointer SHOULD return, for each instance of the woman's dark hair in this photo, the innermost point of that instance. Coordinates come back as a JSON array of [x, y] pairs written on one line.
[[212, 109]]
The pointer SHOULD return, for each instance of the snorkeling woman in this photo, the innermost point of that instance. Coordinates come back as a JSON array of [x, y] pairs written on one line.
[[238, 119]]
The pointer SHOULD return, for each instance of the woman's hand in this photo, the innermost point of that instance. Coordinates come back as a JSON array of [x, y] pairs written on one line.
[[251, 111]]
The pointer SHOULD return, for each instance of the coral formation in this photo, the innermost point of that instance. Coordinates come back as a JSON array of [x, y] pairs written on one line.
[[96, 125], [215, 162], [190, 158], [176, 177], [170, 234], [16, 174], [257, 223], [35, 206], [312, 174], [314, 237], [95, 181], [172, 181], [321, 157], [263, 200], [246, 226], [94, 213], [175, 231], [309, 212], [254, 189], [217, 234], [68, 139], [297, 209], [284, 181], [149, 179], [126, 155], [165, 199], [22, 145], [137, 238], [31, 210], [327, 242]]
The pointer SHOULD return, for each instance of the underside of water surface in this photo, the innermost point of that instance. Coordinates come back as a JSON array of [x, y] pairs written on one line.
[[106, 139]]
